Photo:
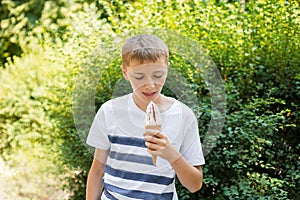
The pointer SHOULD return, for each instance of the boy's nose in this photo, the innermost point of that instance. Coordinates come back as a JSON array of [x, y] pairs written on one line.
[[150, 84]]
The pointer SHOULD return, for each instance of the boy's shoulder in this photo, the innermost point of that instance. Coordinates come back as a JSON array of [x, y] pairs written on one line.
[[186, 112], [115, 103], [186, 109]]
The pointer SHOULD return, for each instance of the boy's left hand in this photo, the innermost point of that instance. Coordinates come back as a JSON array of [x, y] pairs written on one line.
[[158, 144]]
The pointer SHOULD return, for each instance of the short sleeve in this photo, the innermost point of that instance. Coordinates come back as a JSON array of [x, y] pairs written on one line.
[[191, 148], [98, 136]]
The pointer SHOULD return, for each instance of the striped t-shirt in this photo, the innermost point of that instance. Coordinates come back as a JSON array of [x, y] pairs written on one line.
[[129, 172]]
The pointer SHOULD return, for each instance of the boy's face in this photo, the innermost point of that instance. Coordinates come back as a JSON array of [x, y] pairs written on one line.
[[146, 79]]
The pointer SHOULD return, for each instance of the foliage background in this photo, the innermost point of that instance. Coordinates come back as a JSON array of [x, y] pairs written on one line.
[[46, 44]]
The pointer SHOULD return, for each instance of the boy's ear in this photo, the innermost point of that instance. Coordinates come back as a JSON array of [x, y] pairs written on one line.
[[124, 72]]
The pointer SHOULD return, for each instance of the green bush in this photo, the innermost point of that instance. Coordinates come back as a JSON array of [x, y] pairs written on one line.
[[256, 50], [261, 114], [29, 144], [19, 20]]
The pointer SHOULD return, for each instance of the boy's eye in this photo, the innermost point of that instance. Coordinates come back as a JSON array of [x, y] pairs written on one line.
[[139, 77], [158, 76]]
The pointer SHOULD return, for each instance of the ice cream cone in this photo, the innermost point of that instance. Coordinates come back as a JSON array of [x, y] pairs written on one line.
[[154, 158], [153, 129], [153, 122]]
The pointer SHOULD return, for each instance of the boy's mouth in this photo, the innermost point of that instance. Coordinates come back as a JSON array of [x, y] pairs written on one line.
[[149, 94]]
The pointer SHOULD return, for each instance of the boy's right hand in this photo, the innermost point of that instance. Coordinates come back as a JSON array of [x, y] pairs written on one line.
[[158, 144]]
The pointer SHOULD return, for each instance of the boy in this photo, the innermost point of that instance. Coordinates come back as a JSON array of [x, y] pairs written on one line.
[[123, 151]]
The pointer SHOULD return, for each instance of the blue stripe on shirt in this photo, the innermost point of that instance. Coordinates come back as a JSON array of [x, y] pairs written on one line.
[[139, 194], [131, 141], [108, 195], [147, 160], [163, 180]]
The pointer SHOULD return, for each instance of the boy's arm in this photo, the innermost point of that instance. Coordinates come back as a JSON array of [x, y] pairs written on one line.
[[188, 175], [94, 182]]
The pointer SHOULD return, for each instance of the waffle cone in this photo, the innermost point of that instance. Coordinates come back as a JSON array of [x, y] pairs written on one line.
[[154, 158], [153, 127]]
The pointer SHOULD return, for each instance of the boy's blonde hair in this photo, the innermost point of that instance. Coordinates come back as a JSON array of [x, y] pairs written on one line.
[[144, 47]]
